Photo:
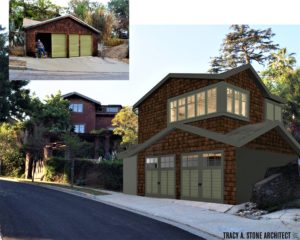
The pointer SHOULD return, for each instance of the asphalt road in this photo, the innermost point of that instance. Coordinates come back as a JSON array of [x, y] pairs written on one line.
[[33, 212], [50, 75]]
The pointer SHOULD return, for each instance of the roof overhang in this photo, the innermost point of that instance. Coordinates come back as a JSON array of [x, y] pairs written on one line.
[[35, 24], [65, 96], [208, 76], [237, 138]]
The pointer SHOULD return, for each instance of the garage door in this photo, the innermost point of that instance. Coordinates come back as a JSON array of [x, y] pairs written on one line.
[[202, 177], [59, 48], [85, 45], [74, 45], [160, 176]]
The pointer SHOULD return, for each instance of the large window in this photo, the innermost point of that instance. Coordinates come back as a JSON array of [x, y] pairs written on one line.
[[112, 109], [272, 111], [76, 107], [193, 105], [237, 102], [79, 128]]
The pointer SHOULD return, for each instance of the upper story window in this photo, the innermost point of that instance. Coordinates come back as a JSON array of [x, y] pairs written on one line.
[[112, 109], [193, 105], [76, 107], [79, 128], [237, 102], [272, 111]]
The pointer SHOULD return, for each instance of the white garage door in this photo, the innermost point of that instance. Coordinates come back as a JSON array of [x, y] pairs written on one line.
[[160, 176]]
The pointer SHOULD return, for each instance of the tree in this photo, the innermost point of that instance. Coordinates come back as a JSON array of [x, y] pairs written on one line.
[[279, 70], [49, 118], [243, 46], [121, 10], [126, 125], [14, 98], [11, 158]]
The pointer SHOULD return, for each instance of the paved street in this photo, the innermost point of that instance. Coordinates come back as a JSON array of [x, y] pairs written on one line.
[[78, 68], [33, 212], [50, 75]]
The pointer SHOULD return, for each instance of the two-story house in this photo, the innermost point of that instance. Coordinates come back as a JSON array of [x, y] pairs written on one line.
[[207, 137], [92, 122]]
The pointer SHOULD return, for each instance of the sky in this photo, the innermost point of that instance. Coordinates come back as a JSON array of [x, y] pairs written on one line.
[[168, 36]]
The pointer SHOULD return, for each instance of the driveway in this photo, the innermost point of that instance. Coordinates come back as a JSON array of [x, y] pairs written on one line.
[[33, 212], [89, 68]]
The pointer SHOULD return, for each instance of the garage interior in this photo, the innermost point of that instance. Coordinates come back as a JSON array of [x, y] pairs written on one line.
[[46, 40]]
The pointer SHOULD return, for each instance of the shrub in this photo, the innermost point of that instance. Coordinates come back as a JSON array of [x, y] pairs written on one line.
[[112, 42], [111, 174]]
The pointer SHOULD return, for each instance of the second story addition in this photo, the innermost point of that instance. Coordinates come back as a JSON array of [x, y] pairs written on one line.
[[219, 102]]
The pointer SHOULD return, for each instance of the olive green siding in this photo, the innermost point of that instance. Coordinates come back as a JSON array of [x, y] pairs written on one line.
[[251, 166], [130, 175], [85, 45], [73, 45], [59, 48]]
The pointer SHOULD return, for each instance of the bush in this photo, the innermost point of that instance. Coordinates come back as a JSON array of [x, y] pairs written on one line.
[[111, 174], [112, 42], [57, 169], [13, 165]]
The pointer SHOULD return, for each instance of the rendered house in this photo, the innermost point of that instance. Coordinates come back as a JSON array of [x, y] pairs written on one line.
[[64, 36], [207, 137], [89, 116]]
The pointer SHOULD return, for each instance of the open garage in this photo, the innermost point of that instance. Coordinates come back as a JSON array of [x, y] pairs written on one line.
[[65, 36]]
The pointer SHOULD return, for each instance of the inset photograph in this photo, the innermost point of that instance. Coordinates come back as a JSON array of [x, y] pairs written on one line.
[[69, 40]]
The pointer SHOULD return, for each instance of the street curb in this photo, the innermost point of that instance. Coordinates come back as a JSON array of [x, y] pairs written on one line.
[[188, 228], [17, 67]]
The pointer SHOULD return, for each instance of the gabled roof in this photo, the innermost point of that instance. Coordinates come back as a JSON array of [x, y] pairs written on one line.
[[81, 96], [218, 76], [37, 24], [237, 138]]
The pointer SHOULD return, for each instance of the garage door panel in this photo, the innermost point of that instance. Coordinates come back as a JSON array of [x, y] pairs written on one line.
[[74, 45], [148, 182], [206, 183], [194, 183], [58, 45], [171, 182], [154, 182], [85, 45], [164, 182], [216, 184], [185, 183]]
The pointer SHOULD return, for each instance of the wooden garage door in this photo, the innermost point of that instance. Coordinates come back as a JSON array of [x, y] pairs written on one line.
[[160, 176], [59, 48], [85, 45], [202, 176], [74, 45]]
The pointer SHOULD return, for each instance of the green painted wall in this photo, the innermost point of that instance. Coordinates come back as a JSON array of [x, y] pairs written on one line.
[[251, 167], [130, 175]]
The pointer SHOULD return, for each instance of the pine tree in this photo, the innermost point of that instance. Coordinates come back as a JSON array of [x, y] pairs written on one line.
[[243, 45]]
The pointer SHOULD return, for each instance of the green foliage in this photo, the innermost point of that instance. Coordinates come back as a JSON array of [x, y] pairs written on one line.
[[126, 125], [111, 42], [11, 158], [121, 11], [279, 70], [244, 45], [78, 148], [111, 175]]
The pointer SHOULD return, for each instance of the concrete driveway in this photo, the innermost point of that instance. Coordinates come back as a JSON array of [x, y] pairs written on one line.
[[89, 68]]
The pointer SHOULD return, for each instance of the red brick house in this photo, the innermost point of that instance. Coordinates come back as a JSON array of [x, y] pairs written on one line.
[[64, 36], [89, 117], [207, 137]]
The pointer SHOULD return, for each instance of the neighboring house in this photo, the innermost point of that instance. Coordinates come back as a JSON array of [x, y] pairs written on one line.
[[207, 137], [92, 122], [65, 36]]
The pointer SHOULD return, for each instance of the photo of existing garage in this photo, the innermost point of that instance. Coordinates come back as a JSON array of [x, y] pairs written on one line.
[[68, 41], [207, 137]]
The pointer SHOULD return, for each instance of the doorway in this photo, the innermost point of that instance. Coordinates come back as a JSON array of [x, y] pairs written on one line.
[[46, 40]]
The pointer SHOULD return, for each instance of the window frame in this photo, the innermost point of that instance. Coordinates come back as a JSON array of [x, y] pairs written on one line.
[[117, 109], [79, 124], [193, 93], [274, 105], [77, 107]]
